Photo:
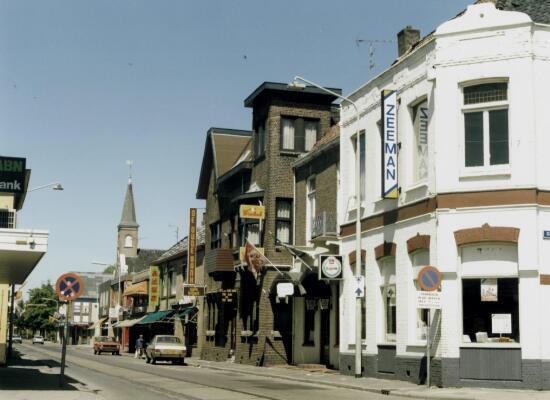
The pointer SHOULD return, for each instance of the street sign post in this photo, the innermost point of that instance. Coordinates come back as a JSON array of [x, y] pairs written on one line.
[[359, 288], [429, 280], [68, 287]]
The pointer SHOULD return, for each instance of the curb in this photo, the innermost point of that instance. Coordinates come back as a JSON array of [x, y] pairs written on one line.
[[393, 392]]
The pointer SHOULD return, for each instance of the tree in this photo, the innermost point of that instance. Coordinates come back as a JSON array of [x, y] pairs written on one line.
[[41, 305], [109, 270]]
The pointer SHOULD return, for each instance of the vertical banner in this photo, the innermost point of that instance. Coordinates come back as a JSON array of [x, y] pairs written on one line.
[[389, 144], [192, 246], [154, 285]]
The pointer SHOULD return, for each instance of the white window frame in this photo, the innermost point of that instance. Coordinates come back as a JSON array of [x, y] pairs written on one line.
[[486, 168], [385, 287], [311, 197]]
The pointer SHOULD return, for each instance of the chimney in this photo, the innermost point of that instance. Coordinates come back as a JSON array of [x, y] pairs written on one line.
[[406, 39]]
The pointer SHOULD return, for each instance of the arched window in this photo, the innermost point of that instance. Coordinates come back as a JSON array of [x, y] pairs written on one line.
[[128, 241]]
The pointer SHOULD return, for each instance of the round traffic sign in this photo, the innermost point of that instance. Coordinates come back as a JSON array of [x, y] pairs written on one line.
[[69, 287], [429, 278]]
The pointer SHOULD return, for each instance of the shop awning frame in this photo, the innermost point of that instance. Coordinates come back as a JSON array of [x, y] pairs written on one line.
[[127, 323], [156, 317]]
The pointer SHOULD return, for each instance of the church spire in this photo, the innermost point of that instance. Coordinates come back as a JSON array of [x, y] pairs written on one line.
[[128, 218]]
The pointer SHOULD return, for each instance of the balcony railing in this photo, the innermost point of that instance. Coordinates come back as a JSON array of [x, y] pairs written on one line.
[[324, 225], [7, 218]]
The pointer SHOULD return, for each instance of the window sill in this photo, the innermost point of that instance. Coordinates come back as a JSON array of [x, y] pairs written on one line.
[[416, 186], [494, 345], [418, 343], [386, 344], [485, 172], [290, 153]]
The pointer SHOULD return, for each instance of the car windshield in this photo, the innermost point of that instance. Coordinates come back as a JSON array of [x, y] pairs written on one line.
[[168, 339], [104, 339]]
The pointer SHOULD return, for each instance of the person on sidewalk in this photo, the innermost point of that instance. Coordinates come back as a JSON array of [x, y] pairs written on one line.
[[139, 347]]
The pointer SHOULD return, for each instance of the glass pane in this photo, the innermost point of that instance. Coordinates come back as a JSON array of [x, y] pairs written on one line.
[[283, 231], [498, 136], [311, 134], [362, 166], [486, 92], [473, 127], [288, 134], [284, 209]]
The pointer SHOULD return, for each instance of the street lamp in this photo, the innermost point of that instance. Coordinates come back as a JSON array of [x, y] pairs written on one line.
[[299, 83], [54, 186]]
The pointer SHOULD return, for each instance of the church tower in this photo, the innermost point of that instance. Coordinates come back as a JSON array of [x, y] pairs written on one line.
[[128, 226]]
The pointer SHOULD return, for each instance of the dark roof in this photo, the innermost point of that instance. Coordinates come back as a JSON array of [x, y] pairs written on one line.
[[327, 141], [538, 10], [180, 248], [128, 218], [312, 93], [222, 149], [144, 259]]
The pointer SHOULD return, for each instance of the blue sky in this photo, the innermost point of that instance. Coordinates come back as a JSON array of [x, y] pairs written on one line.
[[86, 85]]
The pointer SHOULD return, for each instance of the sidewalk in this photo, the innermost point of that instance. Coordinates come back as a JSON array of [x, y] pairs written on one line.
[[380, 386], [26, 377]]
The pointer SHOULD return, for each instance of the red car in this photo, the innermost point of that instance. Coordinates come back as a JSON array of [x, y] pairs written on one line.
[[106, 344]]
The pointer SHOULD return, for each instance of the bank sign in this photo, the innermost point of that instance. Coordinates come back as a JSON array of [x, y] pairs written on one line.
[[389, 144], [12, 174]]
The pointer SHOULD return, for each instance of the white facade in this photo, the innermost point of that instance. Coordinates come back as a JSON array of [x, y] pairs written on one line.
[[460, 183]]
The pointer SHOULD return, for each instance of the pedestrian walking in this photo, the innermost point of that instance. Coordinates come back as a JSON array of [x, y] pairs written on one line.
[[139, 347]]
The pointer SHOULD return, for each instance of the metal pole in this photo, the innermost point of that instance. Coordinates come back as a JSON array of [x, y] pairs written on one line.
[[12, 314], [428, 351], [119, 298], [64, 346]]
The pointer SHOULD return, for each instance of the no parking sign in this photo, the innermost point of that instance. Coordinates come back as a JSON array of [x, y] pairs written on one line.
[[69, 287]]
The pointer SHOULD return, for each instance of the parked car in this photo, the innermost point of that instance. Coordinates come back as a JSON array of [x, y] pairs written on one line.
[[38, 339], [16, 338], [165, 347], [106, 344]]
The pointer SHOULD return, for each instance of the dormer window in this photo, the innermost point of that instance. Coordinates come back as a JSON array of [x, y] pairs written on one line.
[[298, 134], [485, 111]]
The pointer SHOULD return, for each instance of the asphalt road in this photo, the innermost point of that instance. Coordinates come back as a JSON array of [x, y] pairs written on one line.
[[121, 378]]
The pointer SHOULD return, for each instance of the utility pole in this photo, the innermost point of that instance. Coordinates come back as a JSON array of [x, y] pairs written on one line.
[[12, 315]]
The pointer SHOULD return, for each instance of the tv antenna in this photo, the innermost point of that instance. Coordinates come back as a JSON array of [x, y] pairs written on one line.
[[372, 43]]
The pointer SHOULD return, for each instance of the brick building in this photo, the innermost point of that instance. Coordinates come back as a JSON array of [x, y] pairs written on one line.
[[241, 314]]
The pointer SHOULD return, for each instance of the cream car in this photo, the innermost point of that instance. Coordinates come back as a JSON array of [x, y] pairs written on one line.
[[165, 347]]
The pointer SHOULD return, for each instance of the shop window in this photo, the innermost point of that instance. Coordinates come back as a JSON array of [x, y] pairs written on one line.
[[298, 134], [284, 221], [490, 310], [486, 124], [310, 307], [215, 236], [420, 119], [389, 298]]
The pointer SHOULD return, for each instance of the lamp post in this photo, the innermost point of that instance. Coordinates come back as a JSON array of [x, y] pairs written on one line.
[[358, 317], [54, 186]]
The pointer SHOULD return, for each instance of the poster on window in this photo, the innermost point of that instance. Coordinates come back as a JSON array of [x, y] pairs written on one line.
[[501, 323], [389, 144], [489, 289]]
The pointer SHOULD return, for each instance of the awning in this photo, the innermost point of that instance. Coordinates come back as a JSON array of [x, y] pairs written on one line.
[[155, 317], [136, 288], [127, 323], [185, 311], [98, 323]]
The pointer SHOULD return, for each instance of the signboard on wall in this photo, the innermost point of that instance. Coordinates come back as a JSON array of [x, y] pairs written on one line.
[[193, 290], [12, 174], [489, 289], [428, 300], [252, 211], [154, 285], [389, 144], [192, 246]]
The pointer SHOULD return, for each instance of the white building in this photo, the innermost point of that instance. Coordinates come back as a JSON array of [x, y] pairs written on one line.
[[473, 200]]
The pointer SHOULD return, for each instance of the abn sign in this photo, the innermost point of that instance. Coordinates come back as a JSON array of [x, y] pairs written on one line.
[[69, 287], [12, 174]]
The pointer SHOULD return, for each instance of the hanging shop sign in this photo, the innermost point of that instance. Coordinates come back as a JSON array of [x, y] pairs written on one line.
[[192, 246], [331, 267], [285, 289], [154, 285], [249, 211], [389, 144], [69, 287], [193, 290], [12, 174], [501, 323], [489, 289]]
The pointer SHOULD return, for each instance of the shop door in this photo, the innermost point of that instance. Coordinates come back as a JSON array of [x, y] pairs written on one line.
[[325, 337], [283, 323]]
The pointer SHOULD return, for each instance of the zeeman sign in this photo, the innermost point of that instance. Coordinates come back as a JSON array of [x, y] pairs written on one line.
[[12, 174], [389, 144]]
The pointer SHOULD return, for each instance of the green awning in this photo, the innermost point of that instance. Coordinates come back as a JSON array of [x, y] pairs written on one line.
[[185, 311], [155, 317]]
